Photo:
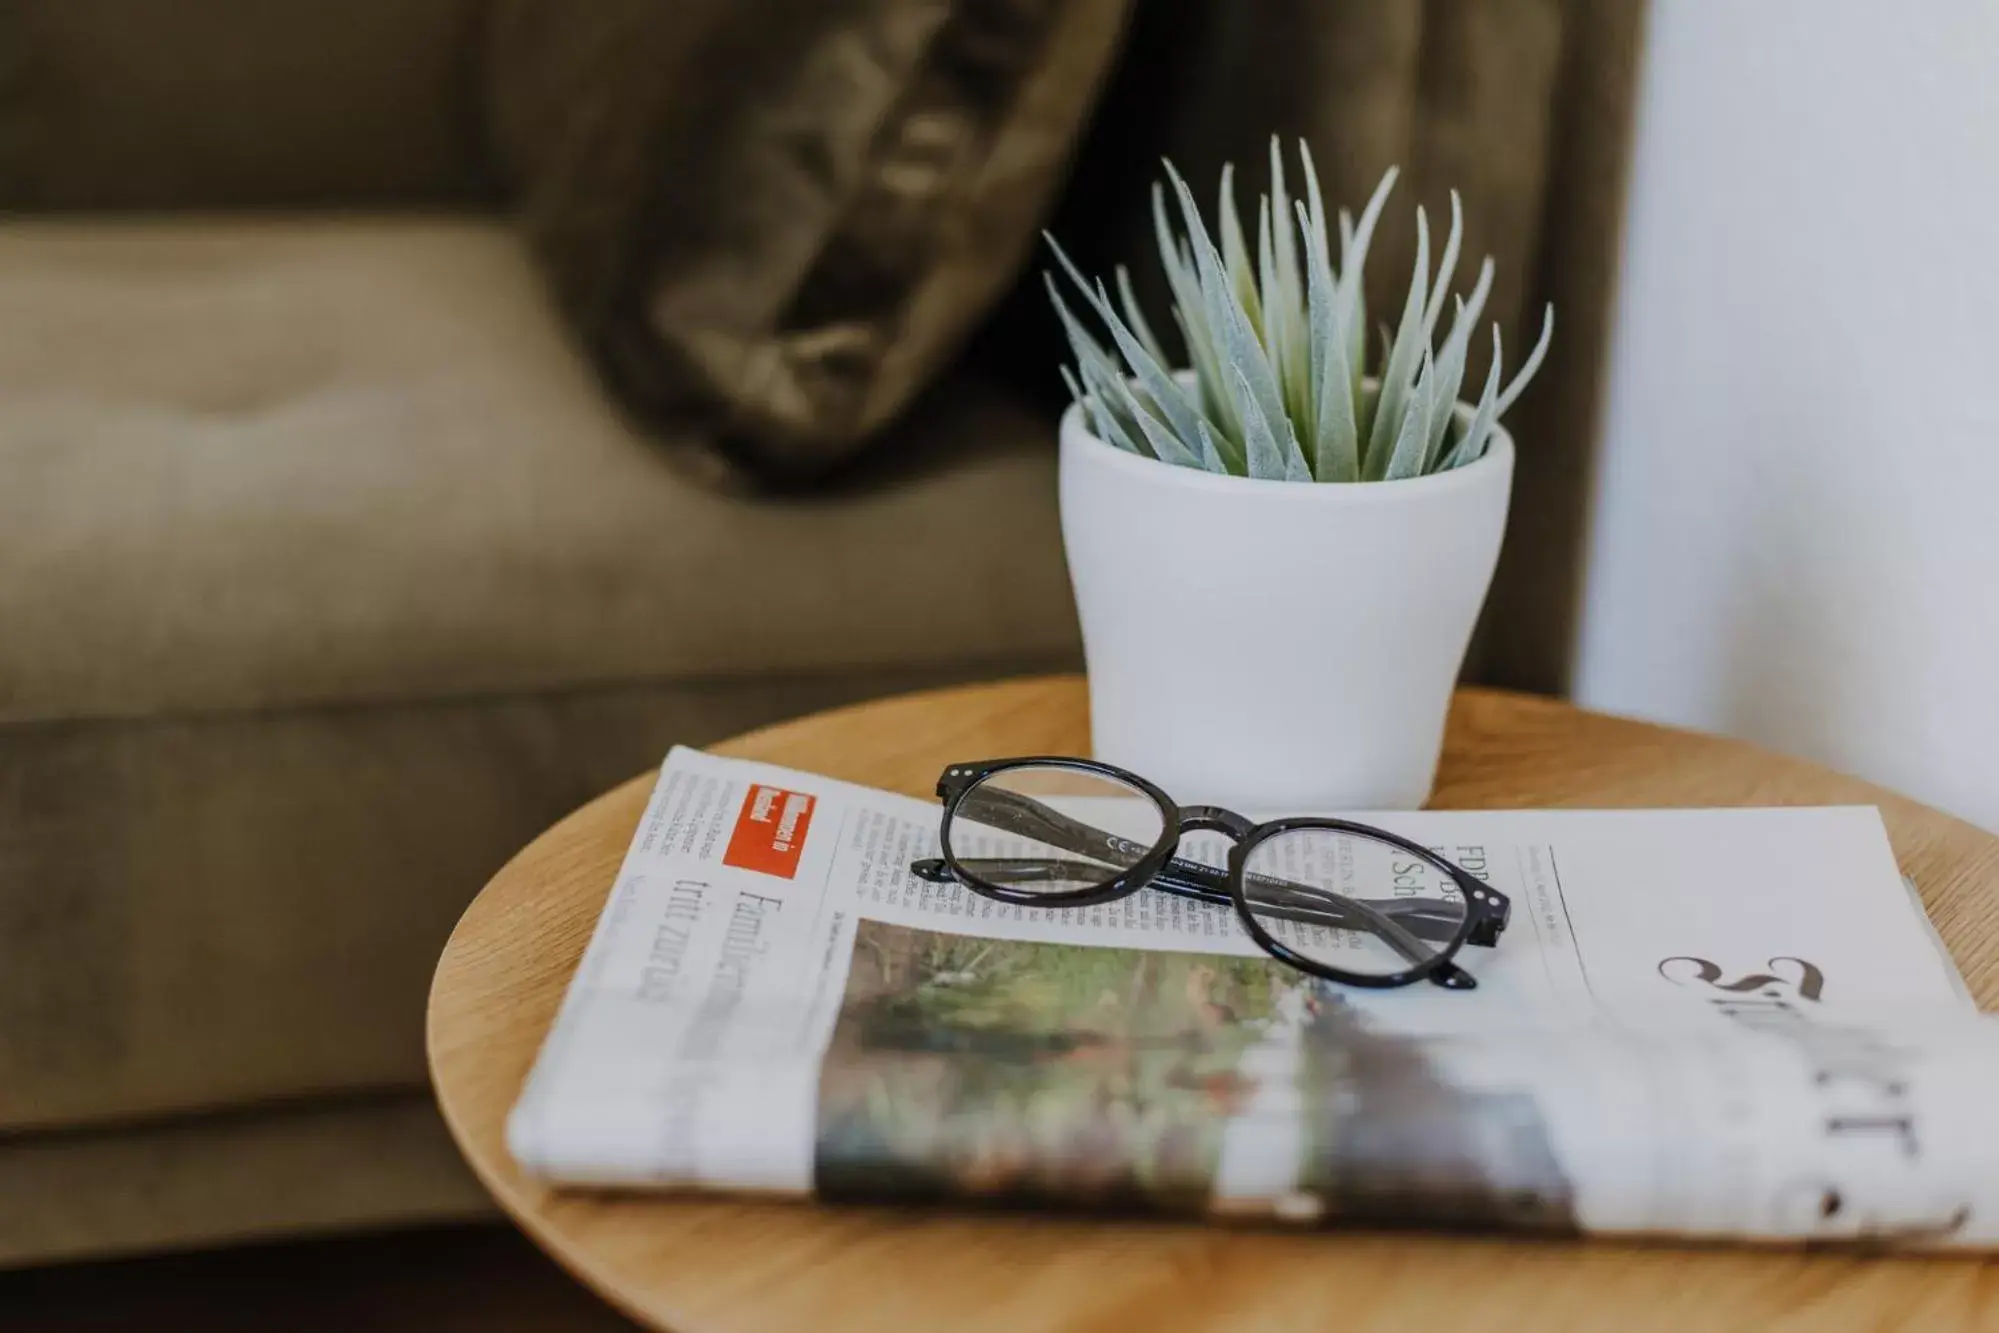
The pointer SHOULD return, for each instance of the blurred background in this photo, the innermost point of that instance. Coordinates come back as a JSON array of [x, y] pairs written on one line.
[[415, 415]]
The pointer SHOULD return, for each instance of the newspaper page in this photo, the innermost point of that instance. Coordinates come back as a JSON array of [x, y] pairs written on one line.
[[1699, 1023]]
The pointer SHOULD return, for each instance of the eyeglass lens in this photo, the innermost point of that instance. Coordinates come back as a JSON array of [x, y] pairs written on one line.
[[1351, 902], [1052, 829]]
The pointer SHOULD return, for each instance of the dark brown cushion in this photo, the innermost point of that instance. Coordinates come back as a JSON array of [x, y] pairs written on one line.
[[204, 104], [772, 220]]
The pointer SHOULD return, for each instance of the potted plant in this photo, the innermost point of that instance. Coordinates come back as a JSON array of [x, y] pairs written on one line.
[[1278, 557]]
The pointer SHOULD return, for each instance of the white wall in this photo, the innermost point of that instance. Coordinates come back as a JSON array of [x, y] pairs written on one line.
[[1796, 530]]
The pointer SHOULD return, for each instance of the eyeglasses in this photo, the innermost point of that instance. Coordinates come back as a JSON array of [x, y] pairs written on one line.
[[1339, 900]]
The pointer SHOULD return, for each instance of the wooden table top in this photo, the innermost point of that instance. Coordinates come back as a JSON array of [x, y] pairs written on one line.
[[734, 1266]]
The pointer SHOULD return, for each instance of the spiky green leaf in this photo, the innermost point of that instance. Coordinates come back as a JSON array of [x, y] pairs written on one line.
[[1204, 350], [1135, 317], [1103, 418], [1166, 444], [1239, 343], [1405, 361], [1336, 455], [1470, 445], [1412, 439], [1355, 239], [1173, 401], [1532, 363], [1235, 251], [1090, 354], [1266, 460], [1294, 367], [1447, 268], [1211, 457], [1451, 362]]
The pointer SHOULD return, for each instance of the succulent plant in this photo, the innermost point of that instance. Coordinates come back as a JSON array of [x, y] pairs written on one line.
[[1277, 348]]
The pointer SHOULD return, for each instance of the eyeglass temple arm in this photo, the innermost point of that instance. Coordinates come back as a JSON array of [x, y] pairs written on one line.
[[1301, 903], [1447, 973], [1024, 870], [1416, 915]]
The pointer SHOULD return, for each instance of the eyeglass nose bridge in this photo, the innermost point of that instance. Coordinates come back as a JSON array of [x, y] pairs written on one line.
[[1213, 819]]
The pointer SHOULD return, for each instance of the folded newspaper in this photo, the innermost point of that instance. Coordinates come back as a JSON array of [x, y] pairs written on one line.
[[1700, 1023]]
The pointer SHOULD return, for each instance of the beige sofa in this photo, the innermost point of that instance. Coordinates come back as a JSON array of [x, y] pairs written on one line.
[[329, 575]]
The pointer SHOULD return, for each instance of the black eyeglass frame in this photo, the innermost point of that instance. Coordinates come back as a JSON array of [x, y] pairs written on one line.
[[1487, 910]]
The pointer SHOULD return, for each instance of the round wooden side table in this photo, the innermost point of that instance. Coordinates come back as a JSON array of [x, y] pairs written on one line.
[[738, 1266]]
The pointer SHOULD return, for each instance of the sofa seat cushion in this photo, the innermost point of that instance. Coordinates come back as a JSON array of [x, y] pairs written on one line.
[[280, 1171], [219, 911], [258, 464]]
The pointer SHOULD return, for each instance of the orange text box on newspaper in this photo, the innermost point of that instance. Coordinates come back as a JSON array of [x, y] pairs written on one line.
[[770, 831]]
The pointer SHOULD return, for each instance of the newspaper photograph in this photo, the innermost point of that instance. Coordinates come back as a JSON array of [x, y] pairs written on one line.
[[1713, 1024]]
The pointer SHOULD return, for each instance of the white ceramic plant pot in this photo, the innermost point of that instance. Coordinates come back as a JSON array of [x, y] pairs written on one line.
[[1277, 647]]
